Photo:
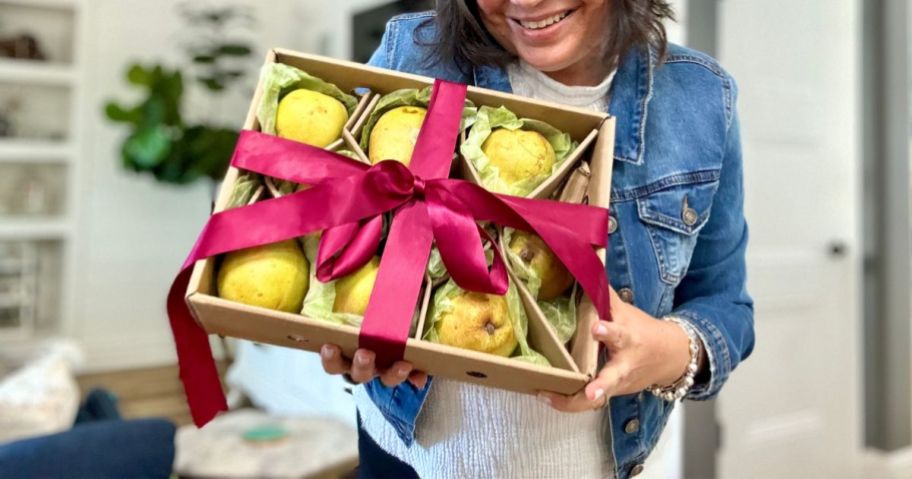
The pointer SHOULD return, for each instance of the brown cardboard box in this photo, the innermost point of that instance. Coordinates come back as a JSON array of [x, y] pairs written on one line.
[[570, 370]]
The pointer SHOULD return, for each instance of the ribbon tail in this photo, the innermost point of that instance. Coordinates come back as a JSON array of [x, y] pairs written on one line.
[[457, 237], [197, 367], [290, 160], [389, 313], [572, 246], [345, 248]]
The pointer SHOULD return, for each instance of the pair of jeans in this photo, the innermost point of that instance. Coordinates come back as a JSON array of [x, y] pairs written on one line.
[[108, 449], [375, 463]]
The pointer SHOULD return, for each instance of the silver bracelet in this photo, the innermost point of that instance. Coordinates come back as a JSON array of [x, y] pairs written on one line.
[[677, 390]]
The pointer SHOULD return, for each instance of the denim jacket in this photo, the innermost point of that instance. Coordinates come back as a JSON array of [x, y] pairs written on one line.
[[677, 202]]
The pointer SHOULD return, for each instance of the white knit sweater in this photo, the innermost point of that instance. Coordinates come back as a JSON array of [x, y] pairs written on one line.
[[466, 430]]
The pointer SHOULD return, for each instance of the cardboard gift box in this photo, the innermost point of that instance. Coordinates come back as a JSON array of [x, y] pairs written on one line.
[[572, 364]]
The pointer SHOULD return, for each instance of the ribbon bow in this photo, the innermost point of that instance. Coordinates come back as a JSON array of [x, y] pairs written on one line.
[[347, 201]]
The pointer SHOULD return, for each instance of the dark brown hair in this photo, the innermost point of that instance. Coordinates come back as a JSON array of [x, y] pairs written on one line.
[[462, 36]]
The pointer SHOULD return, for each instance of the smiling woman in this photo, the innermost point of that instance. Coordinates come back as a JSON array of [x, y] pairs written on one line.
[[676, 251], [577, 42]]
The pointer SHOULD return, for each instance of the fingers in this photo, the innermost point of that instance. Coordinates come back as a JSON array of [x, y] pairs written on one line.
[[362, 369], [397, 373], [609, 380], [333, 362], [595, 395], [613, 335], [418, 379], [578, 402]]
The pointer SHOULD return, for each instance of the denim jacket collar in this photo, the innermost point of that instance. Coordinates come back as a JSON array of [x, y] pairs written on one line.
[[630, 96]]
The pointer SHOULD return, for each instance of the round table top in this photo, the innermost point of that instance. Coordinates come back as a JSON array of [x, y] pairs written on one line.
[[251, 443]]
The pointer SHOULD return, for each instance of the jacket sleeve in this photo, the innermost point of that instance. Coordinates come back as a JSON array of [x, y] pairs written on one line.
[[712, 297], [382, 55]]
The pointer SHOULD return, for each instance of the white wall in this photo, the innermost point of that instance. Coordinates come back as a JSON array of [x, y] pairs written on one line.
[[677, 31], [134, 233]]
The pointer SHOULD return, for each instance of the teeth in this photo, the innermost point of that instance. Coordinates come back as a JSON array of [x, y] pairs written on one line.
[[544, 23]]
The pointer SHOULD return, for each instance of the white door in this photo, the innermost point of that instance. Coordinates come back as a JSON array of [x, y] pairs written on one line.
[[794, 409]]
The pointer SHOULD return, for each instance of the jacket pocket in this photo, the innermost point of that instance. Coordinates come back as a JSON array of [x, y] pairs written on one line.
[[673, 217]]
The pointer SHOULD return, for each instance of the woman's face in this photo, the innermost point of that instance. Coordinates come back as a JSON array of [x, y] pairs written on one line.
[[550, 35]]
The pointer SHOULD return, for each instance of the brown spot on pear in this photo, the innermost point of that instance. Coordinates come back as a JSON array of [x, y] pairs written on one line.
[[555, 278], [476, 321]]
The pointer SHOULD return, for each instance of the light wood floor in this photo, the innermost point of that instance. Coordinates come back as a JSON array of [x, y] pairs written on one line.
[[147, 392]]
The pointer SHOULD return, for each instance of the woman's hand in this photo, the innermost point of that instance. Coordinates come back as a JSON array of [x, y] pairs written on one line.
[[642, 351], [362, 368]]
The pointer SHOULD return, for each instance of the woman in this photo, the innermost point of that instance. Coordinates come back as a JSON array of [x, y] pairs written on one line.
[[678, 239]]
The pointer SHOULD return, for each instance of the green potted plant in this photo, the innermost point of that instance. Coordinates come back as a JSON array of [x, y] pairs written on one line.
[[161, 140]]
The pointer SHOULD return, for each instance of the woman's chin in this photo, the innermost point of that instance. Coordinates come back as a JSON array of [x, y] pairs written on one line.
[[545, 60]]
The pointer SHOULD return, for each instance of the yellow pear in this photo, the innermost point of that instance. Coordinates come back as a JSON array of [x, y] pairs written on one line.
[[555, 279], [395, 133], [519, 154], [477, 321], [310, 117], [354, 291], [273, 276]]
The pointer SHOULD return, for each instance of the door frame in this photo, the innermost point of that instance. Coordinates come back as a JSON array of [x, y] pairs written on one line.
[[887, 379]]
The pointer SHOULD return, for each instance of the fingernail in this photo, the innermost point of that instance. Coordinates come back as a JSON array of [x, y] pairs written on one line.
[[327, 352], [601, 330], [362, 359], [403, 372], [544, 399], [598, 394]]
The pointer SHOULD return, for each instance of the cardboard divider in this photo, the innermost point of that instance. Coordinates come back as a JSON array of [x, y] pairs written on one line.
[[423, 311], [583, 349], [359, 125], [574, 190], [542, 336], [576, 187], [219, 316], [351, 123]]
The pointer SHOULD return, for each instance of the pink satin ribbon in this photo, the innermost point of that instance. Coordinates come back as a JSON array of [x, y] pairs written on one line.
[[347, 202]]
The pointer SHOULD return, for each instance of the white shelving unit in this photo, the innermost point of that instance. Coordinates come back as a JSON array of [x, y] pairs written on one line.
[[58, 4], [36, 72], [29, 229], [50, 236], [40, 151]]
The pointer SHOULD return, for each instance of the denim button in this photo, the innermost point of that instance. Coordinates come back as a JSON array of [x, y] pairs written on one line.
[[632, 426], [612, 225], [626, 295], [636, 470], [690, 216]]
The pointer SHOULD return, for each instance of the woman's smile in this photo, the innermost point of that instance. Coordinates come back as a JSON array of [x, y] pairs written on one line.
[[541, 28], [565, 39]]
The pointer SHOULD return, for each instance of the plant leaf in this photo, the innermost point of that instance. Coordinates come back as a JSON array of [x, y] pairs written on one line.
[[116, 112], [234, 49], [148, 147], [212, 83], [204, 58], [139, 75]]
